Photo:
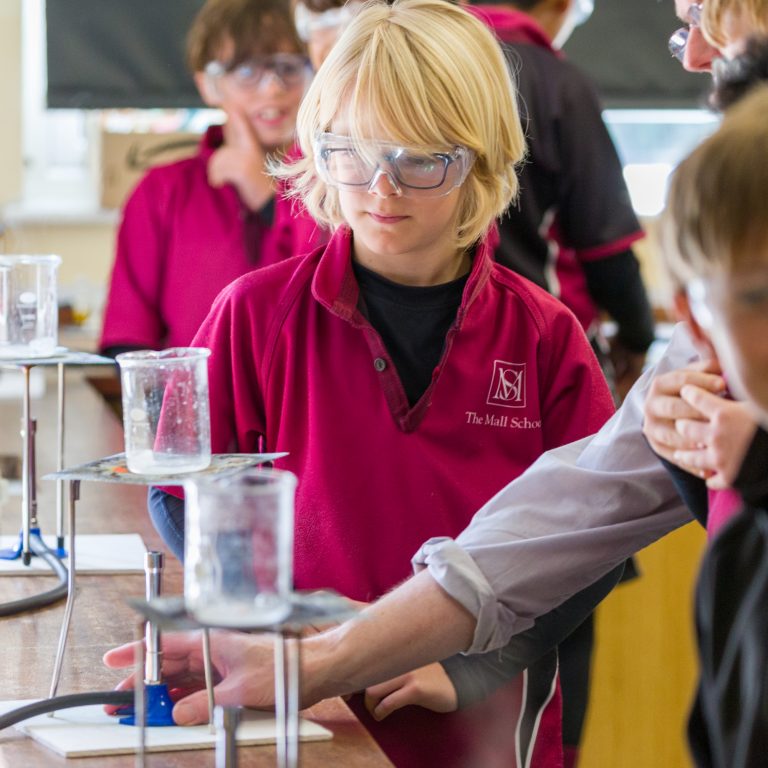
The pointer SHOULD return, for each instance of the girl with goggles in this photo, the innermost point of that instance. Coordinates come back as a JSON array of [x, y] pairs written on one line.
[[408, 375]]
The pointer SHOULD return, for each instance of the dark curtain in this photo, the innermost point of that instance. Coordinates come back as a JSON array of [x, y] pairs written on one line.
[[624, 49], [130, 53], [119, 53]]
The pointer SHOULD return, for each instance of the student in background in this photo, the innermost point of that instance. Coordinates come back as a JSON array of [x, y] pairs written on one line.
[[319, 24], [572, 229], [191, 227]]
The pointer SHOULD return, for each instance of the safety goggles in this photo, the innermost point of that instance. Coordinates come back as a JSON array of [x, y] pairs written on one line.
[[291, 70], [679, 39], [307, 22], [411, 171]]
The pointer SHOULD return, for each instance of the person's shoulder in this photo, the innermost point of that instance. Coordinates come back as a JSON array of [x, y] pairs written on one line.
[[553, 68], [540, 305], [271, 283], [162, 182]]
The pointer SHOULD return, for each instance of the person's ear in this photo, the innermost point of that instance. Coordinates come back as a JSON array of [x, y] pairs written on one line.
[[684, 313], [206, 87]]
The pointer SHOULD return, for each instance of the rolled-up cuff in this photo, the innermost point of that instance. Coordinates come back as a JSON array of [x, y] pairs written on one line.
[[459, 576]]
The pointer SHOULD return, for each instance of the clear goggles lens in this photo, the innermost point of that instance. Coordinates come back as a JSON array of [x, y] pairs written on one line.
[[342, 162], [291, 69], [679, 39], [308, 22]]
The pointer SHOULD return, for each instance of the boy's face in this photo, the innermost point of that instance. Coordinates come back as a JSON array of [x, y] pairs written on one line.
[[698, 54], [389, 222], [738, 301], [270, 104]]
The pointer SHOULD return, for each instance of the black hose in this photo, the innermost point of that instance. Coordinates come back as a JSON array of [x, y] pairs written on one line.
[[64, 702], [59, 592]]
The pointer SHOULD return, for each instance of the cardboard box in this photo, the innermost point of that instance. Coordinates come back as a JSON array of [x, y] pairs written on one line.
[[126, 157]]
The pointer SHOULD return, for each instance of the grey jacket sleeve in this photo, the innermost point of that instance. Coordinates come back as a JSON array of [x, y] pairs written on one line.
[[477, 676], [575, 514]]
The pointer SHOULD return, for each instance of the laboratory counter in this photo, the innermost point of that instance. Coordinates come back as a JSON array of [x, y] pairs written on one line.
[[101, 618]]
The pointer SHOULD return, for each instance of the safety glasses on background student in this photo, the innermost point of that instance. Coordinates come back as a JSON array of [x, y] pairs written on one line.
[[679, 39], [291, 70], [411, 171], [334, 19]]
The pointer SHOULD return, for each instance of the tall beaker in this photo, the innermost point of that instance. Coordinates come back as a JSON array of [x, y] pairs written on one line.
[[238, 562], [166, 414], [29, 309]]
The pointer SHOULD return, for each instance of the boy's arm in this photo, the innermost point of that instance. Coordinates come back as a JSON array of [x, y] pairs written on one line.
[[583, 508], [476, 677]]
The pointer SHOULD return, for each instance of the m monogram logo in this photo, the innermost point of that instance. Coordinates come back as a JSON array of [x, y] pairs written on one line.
[[507, 385]]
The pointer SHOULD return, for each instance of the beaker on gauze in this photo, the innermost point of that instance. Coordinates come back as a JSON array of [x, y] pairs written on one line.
[[238, 561], [166, 414], [29, 310]]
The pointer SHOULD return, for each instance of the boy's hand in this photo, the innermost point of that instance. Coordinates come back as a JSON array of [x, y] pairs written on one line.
[[240, 161], [243, 672], [428, 687], [664, 406], [720, 436]]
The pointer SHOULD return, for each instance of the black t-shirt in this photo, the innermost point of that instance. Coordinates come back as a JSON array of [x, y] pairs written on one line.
[[412, 321]]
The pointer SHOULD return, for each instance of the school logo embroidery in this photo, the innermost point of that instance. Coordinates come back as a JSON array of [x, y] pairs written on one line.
[[507, 385]]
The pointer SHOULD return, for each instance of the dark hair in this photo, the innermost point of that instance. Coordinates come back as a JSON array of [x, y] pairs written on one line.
[[254, 27], [733, 79], [321, 6]]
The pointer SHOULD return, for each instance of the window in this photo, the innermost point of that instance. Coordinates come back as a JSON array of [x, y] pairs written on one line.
[[650, 143]]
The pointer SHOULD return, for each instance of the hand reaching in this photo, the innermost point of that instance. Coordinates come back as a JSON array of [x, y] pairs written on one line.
[[243, 672], [428, 687]]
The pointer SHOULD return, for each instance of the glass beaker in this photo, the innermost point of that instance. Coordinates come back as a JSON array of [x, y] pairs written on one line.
[[238, 562], [29, 309], [166, 415]]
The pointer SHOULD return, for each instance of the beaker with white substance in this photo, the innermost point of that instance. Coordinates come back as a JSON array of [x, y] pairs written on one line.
[[238, 558], [166, 414], [29, 310]]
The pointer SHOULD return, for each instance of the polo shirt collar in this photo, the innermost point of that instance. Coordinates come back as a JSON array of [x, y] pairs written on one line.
[[512, 26], [335, 287]]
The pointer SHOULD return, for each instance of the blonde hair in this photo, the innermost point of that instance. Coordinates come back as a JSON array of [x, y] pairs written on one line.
[[421, 72], [712, 18], [717, 206]]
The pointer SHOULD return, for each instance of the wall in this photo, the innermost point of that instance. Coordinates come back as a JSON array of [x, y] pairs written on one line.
[[85, 244], [10, 97]]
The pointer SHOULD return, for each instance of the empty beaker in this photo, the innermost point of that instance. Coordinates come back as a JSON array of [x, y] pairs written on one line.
[[238, 563], [29, 310], [166, 415]]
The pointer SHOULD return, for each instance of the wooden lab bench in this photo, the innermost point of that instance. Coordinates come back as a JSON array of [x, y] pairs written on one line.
[[101, 619]]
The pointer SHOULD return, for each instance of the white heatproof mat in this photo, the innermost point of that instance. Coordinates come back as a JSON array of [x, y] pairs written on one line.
[[98, 553], [88, 731]]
